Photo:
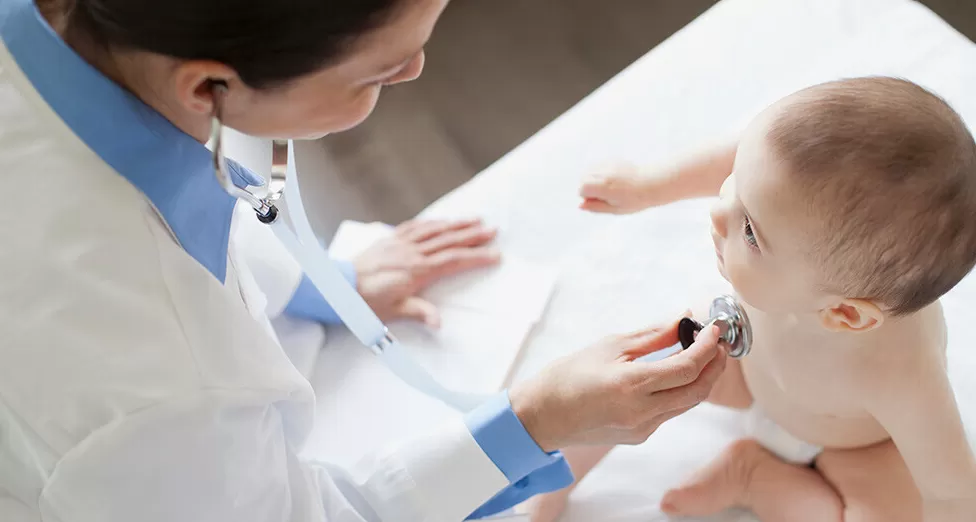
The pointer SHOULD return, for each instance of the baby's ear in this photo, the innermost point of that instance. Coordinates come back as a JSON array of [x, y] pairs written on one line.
[[852, 315]]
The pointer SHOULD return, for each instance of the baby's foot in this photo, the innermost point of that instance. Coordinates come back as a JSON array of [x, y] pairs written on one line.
[[721, 485]]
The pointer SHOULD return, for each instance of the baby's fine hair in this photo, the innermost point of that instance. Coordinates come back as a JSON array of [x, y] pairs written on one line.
[[889, 170]]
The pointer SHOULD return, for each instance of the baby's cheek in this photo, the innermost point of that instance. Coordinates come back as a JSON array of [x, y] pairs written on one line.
[[752, 286]]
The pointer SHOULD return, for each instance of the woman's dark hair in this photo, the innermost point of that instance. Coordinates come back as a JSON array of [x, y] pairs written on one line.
[[268, 42]]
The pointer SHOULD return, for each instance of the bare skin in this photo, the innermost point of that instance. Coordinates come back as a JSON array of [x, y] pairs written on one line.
[[835, 372], [861, 476]]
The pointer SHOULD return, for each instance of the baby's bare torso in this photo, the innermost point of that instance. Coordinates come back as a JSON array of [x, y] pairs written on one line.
[[805, 381]]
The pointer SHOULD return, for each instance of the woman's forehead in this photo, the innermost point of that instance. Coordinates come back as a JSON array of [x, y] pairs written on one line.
[[407, 30]]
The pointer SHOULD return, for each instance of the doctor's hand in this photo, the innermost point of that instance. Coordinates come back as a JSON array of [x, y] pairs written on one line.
[[602, 395], [394, 270]]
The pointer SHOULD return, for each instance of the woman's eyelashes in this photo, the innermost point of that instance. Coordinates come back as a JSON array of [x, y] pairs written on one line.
[[749, 234]]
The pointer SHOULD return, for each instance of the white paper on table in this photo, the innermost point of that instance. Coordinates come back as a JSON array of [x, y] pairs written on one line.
[[486, 315], [353, 237], [514, 290], [471, 352]]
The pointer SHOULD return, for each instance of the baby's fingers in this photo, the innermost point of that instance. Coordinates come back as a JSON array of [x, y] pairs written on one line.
[[595, 187], [598, 205]]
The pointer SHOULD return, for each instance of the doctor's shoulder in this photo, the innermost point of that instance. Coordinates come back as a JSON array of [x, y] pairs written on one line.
[[103, 315]]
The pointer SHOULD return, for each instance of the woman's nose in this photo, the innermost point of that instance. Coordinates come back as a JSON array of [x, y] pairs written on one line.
[[411, 72]]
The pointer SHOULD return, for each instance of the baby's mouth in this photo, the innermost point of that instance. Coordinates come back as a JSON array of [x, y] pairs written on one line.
[[718, 249], [719, 259]]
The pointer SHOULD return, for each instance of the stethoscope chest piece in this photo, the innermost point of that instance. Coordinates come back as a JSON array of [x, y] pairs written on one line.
[[735, 332]]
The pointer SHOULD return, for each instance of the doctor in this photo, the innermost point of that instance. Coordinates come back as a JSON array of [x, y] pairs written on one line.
[[139, 377]]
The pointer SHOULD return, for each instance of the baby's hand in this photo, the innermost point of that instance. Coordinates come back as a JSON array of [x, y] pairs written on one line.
[[625, 189]]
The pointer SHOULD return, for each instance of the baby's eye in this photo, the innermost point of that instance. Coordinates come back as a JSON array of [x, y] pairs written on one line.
[[749, 234]]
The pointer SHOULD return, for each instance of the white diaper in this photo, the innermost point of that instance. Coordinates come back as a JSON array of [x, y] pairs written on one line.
[[777, 440]]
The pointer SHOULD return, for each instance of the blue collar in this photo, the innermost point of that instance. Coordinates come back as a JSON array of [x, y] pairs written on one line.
[[170, 167]]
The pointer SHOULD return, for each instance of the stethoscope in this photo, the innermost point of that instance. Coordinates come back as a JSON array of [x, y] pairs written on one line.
[[735, 331]]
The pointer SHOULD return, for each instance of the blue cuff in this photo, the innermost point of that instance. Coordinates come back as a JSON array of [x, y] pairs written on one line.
[[505, 441], [308, 303], [552, 477]]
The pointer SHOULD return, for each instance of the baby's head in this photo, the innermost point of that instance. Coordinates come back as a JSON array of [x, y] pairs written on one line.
[[854, 200]]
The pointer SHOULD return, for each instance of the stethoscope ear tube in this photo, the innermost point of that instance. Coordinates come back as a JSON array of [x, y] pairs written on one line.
[[363, 323], [348, 304]]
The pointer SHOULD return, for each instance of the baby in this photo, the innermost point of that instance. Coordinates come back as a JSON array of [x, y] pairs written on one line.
[[850, 210]]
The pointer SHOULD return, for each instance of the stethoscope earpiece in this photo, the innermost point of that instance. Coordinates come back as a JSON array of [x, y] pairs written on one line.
[[735, 332], [265, 207]]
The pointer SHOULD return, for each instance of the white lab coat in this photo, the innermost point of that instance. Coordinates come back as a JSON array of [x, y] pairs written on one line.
[[136, 387]]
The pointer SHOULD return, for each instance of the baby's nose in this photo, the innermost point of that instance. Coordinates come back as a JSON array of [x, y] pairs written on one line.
[[719, 215]]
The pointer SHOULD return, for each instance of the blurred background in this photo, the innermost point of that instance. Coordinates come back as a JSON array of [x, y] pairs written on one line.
[[497, 71]]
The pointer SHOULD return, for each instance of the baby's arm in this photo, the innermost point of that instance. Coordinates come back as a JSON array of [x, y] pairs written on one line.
[[915, 403], [627, 189], [581, 459]]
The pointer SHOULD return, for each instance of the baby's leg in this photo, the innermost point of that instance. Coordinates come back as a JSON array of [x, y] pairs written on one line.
[[548, 507], [874, 484], [864, 485], [746, 475]]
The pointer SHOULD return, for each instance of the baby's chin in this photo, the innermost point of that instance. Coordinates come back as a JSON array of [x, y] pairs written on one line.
[[720, 264]]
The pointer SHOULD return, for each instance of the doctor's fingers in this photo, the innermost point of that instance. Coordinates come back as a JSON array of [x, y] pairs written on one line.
[[644, 342], [471, 236], [643, 431], [680, 369], [452, 261], [419, 310], [689, 395], [416, 231]]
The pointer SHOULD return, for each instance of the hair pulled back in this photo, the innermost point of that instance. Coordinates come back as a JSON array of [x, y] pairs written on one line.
[[267, 42]]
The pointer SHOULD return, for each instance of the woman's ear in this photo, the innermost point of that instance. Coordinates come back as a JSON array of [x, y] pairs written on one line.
[[194, 82], [852, 315]]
